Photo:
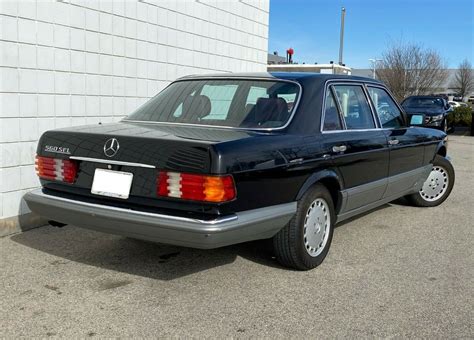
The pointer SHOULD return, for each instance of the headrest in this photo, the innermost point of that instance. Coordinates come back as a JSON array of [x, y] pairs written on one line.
[[270, 109], [331, 119], [196, 107]]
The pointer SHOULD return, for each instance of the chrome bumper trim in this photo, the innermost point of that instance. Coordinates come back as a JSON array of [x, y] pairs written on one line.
[[40, 194]]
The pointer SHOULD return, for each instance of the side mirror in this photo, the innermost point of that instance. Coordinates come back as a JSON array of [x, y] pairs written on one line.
[[417, 120]]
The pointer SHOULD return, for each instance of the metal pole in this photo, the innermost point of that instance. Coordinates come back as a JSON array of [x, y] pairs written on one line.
[[341, 38], [374, 66]]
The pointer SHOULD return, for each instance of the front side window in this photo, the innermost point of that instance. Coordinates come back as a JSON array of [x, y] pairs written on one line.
[[355, 108], [222, 102], [389, 114]]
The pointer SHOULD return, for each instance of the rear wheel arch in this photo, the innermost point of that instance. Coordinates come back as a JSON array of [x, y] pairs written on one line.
[[330, 180]]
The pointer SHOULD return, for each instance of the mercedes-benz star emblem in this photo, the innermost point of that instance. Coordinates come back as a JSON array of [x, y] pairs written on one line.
[[111, 147]]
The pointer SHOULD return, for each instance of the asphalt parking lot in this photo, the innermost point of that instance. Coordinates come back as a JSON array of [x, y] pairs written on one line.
[[398, 271]]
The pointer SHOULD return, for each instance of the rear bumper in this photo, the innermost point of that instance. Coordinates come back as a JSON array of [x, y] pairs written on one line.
[[206, 234]]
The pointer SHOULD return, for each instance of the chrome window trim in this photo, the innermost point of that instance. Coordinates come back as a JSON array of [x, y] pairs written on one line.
[[362, 130], [109, 161], [378, 123], [353, 130], [335, 81], [290, 119], [338, 108]]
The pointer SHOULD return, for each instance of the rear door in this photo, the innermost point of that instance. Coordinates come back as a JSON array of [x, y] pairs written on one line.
[[406, 144], [357, 146]]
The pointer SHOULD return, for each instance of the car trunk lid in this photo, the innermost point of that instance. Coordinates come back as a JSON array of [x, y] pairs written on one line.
[[164, 147], [140, 149]]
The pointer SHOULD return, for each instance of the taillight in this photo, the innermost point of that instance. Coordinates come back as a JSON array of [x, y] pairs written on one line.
[[56, 169], [196, 187]]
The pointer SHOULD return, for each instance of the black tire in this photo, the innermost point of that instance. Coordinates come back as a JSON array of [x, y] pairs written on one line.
[[421, 199], [289, 244]]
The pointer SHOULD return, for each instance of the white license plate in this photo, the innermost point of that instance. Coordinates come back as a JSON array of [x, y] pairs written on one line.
[[112, 183]]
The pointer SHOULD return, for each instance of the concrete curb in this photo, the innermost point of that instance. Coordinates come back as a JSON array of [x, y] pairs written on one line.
[[17, 224]]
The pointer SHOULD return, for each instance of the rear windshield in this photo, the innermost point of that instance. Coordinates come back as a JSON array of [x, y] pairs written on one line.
[[228, 103], [423, 102]]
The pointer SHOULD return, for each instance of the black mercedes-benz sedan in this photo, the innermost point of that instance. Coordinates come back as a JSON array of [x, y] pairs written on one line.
[[215, 160], [434, 108]]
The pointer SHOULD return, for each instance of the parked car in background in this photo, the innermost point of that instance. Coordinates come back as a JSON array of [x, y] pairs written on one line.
[[457, 97], [457, 104], [471, 99], [215, 160], [434, 108]]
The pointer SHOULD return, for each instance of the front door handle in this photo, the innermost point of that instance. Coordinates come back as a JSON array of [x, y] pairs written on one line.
[[339, 148], [393, 141]]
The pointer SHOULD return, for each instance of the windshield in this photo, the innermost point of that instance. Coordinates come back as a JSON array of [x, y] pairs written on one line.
[[423, 102], [227, 102]]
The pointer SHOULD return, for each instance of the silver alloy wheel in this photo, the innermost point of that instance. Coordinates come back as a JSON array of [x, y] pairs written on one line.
[[436, 184], [316, 227]]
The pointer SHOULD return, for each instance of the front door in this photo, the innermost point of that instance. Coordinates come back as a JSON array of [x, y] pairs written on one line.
[[406, 144]]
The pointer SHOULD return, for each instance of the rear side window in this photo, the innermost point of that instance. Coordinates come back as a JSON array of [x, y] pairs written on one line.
[[389, 114], [355, 108], [332, 120]]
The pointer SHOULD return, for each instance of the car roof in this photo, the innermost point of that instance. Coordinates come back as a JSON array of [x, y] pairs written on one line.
[[294, 76]]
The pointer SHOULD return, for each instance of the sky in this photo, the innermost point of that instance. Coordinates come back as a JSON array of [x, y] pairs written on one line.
[[312, 27]]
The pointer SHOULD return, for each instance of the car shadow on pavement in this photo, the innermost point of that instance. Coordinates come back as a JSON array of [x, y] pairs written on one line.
[[152, 260], [147, 259]]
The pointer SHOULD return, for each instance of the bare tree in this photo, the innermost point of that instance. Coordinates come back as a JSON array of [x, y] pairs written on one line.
[[464, 79], [410, 69]]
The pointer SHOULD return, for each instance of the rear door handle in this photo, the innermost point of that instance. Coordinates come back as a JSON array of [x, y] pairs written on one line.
[[339, 148], [393, 141]]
